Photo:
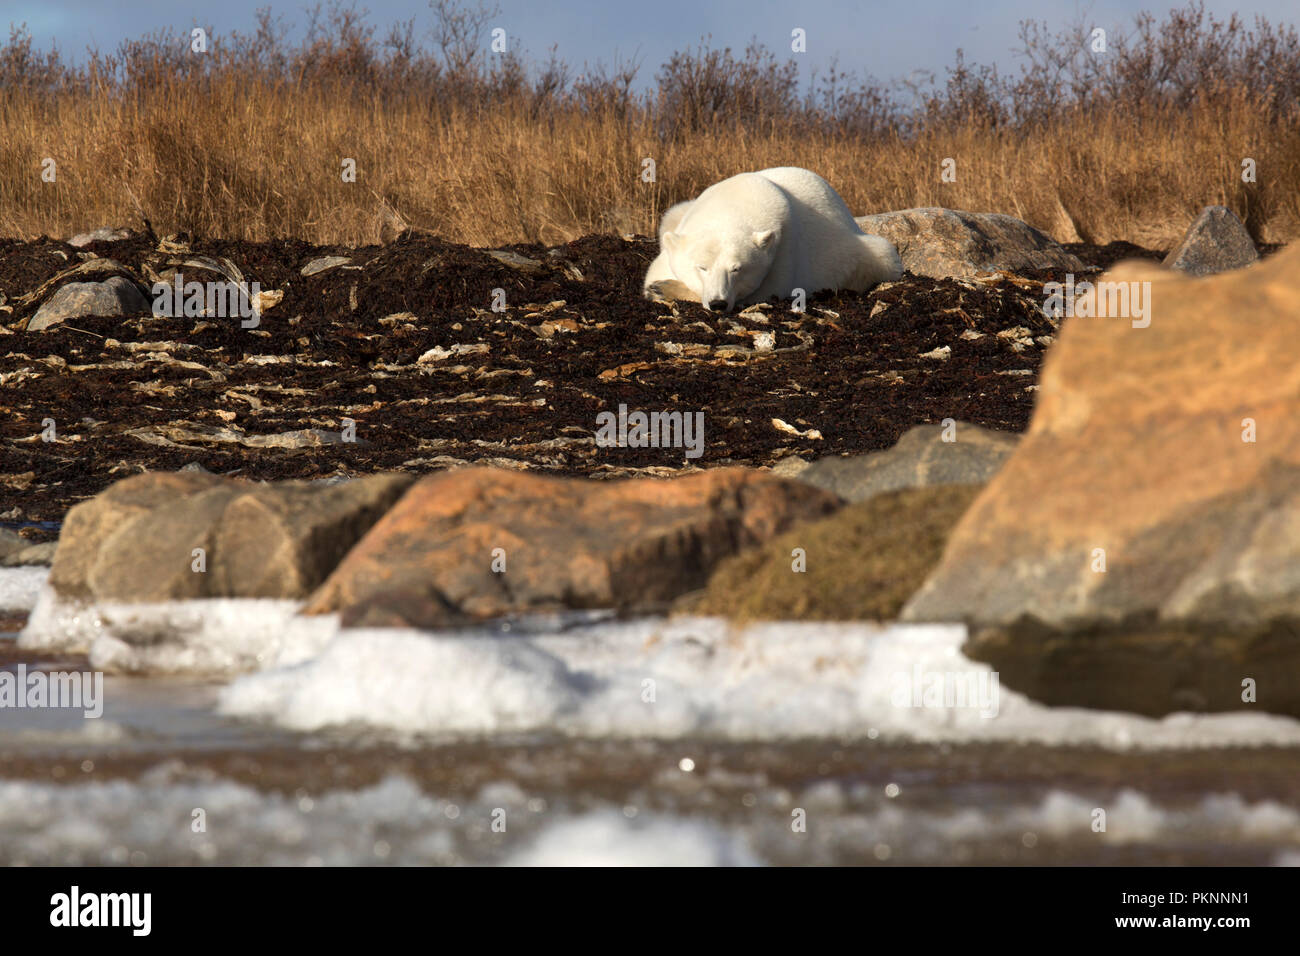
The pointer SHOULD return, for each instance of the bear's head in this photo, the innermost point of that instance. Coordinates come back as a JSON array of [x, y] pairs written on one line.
[[721, 268]]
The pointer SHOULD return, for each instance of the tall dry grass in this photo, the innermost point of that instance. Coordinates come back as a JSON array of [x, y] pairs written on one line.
[[248, 140]]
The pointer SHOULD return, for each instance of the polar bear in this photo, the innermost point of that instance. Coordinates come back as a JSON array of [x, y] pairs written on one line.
[[762, 234]]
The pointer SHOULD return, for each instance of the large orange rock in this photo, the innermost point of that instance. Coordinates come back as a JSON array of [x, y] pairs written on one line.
[[1155, 498], [476, 543]]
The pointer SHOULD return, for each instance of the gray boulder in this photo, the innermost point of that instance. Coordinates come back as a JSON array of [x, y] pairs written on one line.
[[920, 458], [30, 554], [11, 542], [16, 551], [1216, 242], [114, 297], [135, 540], [939, 243]]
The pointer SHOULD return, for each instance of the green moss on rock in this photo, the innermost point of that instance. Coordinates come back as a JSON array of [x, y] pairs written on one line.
[[863, 562]]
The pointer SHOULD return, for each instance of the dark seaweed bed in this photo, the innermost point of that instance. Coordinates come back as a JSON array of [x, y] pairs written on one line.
[[852, 368]]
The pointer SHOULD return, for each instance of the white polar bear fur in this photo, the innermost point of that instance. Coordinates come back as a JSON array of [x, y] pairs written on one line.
[[762, 234]]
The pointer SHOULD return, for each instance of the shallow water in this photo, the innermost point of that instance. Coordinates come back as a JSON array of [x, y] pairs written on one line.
[[784, 744]]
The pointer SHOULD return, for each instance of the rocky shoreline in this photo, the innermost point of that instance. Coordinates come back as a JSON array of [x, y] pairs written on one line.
[[402, 341], [204, 457]]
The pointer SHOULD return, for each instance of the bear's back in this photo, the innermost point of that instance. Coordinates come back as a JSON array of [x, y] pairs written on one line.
[[817, 197], [750, 201]]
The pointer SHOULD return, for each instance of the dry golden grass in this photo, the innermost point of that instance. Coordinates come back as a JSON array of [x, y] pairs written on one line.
[[250, 144], [252, 160]]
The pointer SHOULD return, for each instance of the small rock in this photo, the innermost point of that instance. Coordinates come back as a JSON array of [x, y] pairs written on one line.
[[31, 554], [440, 354], [547, 329], [1216, 242], [324, 263], [919, 459], [115, 297], [103, 234], [264, 301], [1018, 338], [514, 260], [784, 426], [790, 466], [11, 542]]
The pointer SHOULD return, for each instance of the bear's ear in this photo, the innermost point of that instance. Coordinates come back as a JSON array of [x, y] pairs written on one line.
[[765, 238], [669, 241]]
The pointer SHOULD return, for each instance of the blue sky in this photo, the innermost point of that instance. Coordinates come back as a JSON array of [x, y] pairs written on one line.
[[886, 38]]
